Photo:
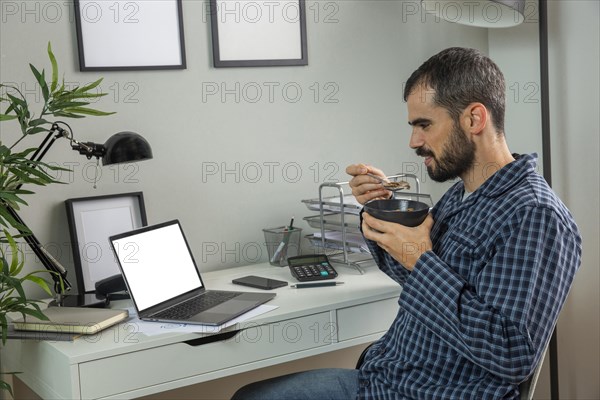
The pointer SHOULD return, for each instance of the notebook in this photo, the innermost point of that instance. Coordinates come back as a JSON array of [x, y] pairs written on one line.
[[74, 320], [164, 281]]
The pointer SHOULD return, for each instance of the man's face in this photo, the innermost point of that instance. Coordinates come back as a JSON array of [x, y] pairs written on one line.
[[436, 136]]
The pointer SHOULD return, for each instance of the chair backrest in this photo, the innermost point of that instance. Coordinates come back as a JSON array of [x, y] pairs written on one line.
[[528, 387]]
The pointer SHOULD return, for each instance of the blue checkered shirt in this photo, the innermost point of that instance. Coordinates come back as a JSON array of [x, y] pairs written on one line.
[[477, 311]]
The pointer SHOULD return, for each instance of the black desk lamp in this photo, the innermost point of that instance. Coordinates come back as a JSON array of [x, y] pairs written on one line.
[[504, 14], [120, 148]]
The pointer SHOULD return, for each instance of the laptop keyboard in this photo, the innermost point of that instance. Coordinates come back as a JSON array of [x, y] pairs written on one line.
[[195, 305]]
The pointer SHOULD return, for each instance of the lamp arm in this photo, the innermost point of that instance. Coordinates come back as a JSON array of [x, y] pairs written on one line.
[[88, 149], [61, 284], [59, 276]]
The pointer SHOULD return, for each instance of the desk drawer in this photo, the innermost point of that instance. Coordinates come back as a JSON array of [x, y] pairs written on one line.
[[366, 319], [142, 369]]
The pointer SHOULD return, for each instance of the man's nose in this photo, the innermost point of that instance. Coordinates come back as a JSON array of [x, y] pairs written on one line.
[[416, 140]]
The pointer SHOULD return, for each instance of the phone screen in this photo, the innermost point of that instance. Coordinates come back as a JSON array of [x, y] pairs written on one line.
[[259, 282]]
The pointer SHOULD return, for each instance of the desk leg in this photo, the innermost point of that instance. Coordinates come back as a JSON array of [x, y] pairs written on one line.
[[22, 391]]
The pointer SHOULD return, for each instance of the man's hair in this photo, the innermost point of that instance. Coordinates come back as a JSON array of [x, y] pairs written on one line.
[[459, 77]]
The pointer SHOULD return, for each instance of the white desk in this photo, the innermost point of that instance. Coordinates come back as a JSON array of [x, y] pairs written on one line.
[[120, 363]]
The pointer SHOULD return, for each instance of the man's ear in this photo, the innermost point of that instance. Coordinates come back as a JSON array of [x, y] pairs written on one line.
[[474, 118]]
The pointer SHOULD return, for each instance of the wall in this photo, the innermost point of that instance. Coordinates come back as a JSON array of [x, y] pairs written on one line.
[[574, 93], [229, 166], [574, 103]]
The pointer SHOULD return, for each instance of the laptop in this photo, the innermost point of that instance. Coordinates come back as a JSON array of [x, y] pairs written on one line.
[[165, 283]]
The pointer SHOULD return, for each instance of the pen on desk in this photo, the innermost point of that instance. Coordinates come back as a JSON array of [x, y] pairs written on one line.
[[315, 284], [286, 238]]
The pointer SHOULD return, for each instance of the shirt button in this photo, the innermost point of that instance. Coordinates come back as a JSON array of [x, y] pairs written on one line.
[[364, 383]]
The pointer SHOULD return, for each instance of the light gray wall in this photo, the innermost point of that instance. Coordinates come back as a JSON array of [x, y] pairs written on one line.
[[225, 166], [575, 126], [575, 101]]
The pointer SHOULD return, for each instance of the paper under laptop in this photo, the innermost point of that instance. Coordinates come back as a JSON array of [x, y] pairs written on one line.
[[162, 277]]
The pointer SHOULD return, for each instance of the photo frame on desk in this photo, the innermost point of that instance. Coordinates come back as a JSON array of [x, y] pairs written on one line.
[[125, 35], [92, 220], [258, 33]]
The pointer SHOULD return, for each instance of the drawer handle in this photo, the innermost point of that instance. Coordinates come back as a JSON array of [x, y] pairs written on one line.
[[211, 338]]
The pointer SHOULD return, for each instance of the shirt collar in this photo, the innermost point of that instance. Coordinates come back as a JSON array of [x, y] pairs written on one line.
[[503, 180], [509, 175]]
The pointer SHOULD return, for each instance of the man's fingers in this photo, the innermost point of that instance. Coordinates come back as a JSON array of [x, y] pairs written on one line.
[[356, 169], [374, 223]]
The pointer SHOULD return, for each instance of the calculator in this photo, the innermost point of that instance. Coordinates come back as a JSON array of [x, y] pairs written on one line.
[[311, 268]]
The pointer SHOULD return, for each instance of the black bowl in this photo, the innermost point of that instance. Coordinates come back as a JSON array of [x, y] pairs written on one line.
[[402, 211]]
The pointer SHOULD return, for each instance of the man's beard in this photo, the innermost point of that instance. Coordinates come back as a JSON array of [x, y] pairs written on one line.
[[458, 156]]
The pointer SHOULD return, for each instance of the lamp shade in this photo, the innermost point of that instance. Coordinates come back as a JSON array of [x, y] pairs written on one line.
[[481, 13], [126, 147]]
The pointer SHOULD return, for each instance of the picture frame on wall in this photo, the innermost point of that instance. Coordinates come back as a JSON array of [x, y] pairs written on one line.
[[92, 220], [126, 35], [258, 33]]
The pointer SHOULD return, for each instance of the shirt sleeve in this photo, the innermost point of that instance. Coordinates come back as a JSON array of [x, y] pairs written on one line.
[[503, 319], [386, 263]]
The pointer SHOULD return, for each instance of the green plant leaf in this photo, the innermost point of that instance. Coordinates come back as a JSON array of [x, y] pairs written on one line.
[[40, 77], [23, 191], [20, 102], [24, 174], [7, 196], [34, 130], [37, 313], [54, 83], [40, 282], [86, 95], [67, 115], [4, 324], [8, 220], [14, 265], [89, 87], [61, 104], [38, 122], [10, 108], [88, 111], [4, 117]]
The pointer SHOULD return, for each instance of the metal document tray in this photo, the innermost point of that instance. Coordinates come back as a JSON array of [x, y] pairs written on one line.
[[333, 221]]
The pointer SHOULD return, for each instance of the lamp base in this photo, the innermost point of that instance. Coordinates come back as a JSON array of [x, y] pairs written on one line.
[[82, 300]]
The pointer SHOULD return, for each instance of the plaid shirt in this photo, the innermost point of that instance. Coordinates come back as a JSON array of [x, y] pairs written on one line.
[[478, 310]]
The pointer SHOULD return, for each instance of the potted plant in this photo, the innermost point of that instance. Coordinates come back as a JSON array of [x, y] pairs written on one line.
[[17, 169]]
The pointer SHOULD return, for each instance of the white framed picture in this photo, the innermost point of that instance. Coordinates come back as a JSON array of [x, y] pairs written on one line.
[[92, 220], [251, 33], [130, 34]]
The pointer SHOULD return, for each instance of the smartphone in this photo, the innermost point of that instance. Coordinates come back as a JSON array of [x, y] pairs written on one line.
[[259, 282]]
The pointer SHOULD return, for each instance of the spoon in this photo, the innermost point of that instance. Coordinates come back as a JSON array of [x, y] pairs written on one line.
[[392, 186]]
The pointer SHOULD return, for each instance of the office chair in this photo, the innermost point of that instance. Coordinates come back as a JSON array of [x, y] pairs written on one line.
[[526, 388]]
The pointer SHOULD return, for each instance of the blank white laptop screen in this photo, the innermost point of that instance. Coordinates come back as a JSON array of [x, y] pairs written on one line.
[[157, 265]]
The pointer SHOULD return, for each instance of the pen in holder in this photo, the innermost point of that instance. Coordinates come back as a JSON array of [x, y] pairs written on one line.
[[282, 242]]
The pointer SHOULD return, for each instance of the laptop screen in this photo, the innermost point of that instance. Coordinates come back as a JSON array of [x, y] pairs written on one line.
[[156, 263]]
